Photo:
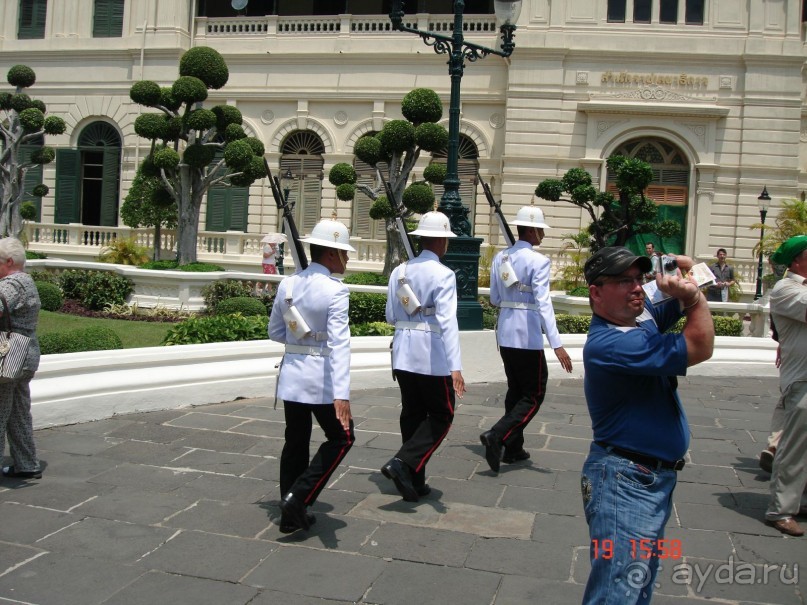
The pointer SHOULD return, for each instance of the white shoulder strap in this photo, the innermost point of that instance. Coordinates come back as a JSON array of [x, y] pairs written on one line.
[[290, 290]]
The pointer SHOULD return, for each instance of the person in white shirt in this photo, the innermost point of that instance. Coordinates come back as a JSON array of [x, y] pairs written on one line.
[[519, 286], [310, 316], [269, 263], [422, 305]]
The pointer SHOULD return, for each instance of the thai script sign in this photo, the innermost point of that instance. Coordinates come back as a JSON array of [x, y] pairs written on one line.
[[681, 80]]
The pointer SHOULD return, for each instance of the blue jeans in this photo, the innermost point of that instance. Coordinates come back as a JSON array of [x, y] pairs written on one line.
[[627, 506]]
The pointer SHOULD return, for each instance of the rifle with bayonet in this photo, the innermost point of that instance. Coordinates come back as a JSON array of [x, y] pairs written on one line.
[[297, 250], [399, 224], [497, 208]]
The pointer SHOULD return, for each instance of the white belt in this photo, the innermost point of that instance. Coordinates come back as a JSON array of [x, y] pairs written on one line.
[[418, 325], [509, 304], [308, 350]]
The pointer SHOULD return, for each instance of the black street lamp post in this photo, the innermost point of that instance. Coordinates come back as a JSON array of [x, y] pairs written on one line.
[[762, 202], [285, 184], [463, 255]]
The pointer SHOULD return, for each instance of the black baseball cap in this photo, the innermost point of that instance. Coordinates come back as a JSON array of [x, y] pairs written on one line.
[[613, 260]]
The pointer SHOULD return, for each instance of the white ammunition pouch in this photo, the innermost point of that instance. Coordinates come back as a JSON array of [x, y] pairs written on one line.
[[506, 272], [408, 298], [409, 301], [295, 322]]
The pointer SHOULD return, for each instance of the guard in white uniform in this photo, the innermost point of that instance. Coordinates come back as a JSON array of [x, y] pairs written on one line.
[[310, 315], [422, 304], [519, 286]]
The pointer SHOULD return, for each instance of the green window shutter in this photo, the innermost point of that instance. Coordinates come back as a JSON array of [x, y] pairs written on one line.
[[108, 19], [216, 215], [306, 192], [363, 225], [311, 202], [109, 188], [32, 19], [33, 177], [239, 208], [68, 173]]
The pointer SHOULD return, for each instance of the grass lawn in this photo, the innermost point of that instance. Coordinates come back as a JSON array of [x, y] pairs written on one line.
[[133, 334]]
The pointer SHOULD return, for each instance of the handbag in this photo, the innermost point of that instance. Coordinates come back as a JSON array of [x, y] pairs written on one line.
[[13, 348]]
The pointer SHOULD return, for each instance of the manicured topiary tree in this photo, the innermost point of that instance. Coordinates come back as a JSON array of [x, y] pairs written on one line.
[[22, 126], [394, 152], [149, 204], [613, 220], [185, 138]]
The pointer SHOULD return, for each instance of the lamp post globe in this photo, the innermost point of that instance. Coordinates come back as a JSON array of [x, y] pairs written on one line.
[[762, 201]]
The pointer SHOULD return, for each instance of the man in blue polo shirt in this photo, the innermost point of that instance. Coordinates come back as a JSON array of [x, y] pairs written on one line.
[[640, 428]]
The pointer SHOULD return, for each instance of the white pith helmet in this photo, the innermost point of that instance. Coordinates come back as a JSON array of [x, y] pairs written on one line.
[[530, 216], [331, 234], [434, 224]]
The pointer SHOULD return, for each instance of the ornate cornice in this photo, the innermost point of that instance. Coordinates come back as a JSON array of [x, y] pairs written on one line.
[[653, 100]]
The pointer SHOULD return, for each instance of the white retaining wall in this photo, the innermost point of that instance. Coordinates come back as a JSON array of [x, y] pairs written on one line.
[[79, 387]]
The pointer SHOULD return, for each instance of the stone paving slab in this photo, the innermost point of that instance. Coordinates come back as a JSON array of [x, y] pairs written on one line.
[[181, 506]]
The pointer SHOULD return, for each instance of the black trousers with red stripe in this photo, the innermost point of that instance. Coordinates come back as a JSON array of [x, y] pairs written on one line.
[[427, 411], [526, 373], [306, 480]]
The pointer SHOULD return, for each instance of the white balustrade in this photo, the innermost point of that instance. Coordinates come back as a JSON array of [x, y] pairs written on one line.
[[271, 25]]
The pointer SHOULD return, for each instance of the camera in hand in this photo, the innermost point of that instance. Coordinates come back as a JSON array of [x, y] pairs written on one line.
[[669, 264]]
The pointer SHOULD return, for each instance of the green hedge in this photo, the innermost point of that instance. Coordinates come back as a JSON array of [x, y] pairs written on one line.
[[579, 291], [572, 324], [160, 265], [366, 279], [245, 305], [96, 338], [49, 295], [367, 307], [375, 328], [217, 291], [579, 324], [724, 326], [489, 314], [217, 328], [95, 289]]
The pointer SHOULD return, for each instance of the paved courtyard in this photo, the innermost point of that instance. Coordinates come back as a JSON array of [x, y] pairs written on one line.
[[181, 507]]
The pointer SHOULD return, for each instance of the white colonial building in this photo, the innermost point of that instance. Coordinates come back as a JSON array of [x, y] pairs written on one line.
[[710, 92]]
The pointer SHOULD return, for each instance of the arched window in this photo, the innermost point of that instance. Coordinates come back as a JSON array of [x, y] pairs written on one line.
[[87, 178], [669, 188], [302, 155], [467, 166]]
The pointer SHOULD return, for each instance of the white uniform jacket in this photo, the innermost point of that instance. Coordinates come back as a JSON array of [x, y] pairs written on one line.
[[433, 353], [322, 300], [521, 328]]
